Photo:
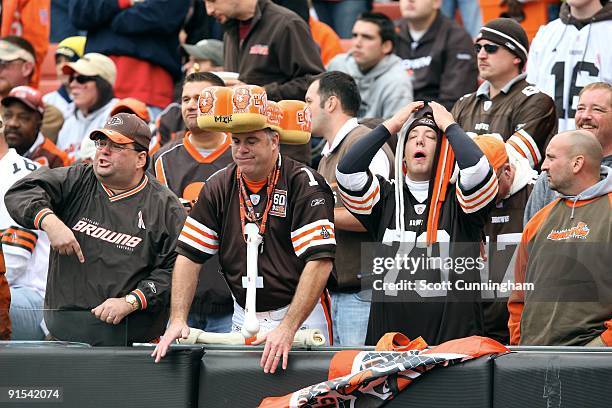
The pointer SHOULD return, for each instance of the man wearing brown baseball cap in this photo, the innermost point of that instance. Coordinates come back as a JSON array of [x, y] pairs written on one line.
[[112, 228]]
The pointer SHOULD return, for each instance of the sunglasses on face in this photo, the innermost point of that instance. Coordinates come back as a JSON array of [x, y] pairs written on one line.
[[81, 79], [489, 48]]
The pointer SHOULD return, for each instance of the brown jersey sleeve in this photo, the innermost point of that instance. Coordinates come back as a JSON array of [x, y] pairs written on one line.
[[516, 302], [199, 239], [535, 122], [312, 225]]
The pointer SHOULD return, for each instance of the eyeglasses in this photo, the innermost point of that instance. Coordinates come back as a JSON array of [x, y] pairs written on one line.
[[113, 147], [489, 48], [4, 64], [81, 79]]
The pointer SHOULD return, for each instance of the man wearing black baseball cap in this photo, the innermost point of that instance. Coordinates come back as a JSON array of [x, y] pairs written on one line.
[[505, 103], [113, 231]]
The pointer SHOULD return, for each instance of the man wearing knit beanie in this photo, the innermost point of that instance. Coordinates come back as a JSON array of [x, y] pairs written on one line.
[[505, 103], [68, 50]]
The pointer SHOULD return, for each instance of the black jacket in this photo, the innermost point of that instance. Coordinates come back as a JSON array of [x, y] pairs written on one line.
[[443, 61], [148, 30], [278, 52]]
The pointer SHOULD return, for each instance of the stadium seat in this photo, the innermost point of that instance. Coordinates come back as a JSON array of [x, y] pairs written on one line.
[[48, 77], [392, 10]]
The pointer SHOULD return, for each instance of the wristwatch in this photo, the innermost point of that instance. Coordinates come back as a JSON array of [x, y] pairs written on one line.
[[131, 299]]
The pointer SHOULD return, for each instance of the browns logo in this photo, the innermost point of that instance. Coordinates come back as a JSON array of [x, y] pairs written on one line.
[[274, 114], [304, 119], [260, 101], [114, 121], [241, 99], [192, 191], [206, 101], [580, 231]]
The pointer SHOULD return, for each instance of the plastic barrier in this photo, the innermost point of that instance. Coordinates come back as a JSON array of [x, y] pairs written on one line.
[[553, 379], [234, 378], [98, 377], [230, 376]]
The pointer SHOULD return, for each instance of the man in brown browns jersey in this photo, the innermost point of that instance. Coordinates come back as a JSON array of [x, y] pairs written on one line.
[[503, 229], [113, 230], [293, 207], [505, 103], [183, 166]]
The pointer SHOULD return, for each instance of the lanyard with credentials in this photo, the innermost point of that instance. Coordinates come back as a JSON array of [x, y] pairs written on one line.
[[247, 210]]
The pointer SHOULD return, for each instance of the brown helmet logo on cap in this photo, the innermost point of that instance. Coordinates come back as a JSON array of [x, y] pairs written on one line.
[[114, 121], [241, 99], [206, 102]]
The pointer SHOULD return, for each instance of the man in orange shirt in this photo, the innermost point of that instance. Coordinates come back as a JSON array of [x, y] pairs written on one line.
[[28, 19]]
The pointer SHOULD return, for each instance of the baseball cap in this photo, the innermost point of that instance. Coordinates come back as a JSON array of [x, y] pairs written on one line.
[[132, 105], [124, 128], [26, 95], [206, 50], [494, 148], [11, 52], [72, 48], [93, 64]]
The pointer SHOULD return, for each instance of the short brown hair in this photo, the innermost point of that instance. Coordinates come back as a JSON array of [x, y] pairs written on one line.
[[598, 85]]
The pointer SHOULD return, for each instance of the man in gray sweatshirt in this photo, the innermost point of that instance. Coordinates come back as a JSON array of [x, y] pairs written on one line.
[[384, 85], [594, 114]]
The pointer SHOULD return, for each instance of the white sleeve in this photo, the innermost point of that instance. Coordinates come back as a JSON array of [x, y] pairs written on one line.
[[353, 181], [380, 165], [16, 264], [472, 176]]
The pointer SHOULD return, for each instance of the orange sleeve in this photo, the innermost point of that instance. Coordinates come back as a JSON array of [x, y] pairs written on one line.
[[327, 40], [516, 302], [35, 17], [606, 336], [5, 303]]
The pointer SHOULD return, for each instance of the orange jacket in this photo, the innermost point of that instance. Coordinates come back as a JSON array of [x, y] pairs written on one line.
[[326, 38], [5, 302], [29, 19]]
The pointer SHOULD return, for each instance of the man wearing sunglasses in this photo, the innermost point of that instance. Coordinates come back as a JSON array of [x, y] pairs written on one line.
[[113, 231], [505, 103]]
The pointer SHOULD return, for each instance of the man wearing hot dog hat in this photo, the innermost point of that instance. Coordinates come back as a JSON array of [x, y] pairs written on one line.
[[291, 206], [113, 230]]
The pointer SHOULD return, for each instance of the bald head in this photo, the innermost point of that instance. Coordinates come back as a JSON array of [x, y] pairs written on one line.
[[572, 161], [583, 143]]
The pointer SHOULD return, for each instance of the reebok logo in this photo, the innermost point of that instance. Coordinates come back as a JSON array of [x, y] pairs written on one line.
[[112, 237], [580, 231]]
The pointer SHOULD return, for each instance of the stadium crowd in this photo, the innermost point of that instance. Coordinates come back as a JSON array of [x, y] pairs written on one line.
[[130, 178]]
